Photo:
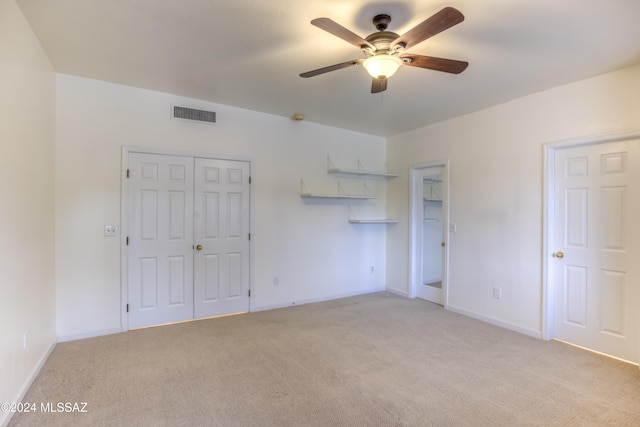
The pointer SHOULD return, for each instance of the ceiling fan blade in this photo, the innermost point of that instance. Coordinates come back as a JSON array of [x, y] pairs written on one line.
[[339, 31], [331, 68], [433, 63], [446, 18], [378, 85]]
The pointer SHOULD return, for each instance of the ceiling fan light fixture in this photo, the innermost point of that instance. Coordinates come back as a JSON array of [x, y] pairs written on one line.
[[384, 49], [382, 66]]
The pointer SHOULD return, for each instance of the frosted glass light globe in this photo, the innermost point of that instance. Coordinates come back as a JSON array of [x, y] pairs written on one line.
[[382, 66]]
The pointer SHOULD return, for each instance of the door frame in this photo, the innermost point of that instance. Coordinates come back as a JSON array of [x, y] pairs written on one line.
[[548, 209], [416, 225], [124, 213]]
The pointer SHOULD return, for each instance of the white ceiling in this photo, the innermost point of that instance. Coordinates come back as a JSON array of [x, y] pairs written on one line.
[[249, 53]]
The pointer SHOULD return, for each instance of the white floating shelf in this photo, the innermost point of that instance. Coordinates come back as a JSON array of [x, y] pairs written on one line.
[[432, 180], [353, 220], [335, 196], [359, 172], [373, 221], [362, 173], [339, 195]]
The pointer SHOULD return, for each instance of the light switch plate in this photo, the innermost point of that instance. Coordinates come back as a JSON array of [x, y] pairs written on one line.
[[110, 230]]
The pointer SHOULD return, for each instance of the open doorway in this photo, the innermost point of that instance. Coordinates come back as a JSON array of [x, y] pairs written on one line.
[[429, 224]]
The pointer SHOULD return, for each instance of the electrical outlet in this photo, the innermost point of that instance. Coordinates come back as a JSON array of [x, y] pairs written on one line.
[[497, 293], [372, 269], [276, 280]]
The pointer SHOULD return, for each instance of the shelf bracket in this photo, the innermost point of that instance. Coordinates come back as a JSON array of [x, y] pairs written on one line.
[[349, 214], [330, 164], [367, 192]]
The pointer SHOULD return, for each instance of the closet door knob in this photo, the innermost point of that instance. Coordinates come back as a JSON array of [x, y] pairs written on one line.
[[199, 247]]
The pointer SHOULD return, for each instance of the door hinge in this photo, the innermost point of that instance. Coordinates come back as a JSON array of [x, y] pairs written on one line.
[[249, 293], [127, 173], [249, 180], [127, 240], [249, 236], [127, 308]]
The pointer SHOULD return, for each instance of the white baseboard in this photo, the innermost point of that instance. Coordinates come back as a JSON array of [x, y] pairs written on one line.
[[496, 322], [90, 334], [5, 417], [398, 292], [312, 300]]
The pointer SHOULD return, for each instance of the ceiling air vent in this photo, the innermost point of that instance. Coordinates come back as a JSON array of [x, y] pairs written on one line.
[[193, 114]]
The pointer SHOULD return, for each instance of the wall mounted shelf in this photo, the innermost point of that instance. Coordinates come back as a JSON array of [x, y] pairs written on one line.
[[373, 221], [360, 172], [433, 199], [335, 196], [339, 195], [433, 179], [354, 220]]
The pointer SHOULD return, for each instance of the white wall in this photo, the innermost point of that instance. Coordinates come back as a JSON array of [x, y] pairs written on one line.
[[309, 245], [496, 176], [27, 287]]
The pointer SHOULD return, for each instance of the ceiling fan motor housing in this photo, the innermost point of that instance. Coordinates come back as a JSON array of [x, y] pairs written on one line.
[[381, 40]]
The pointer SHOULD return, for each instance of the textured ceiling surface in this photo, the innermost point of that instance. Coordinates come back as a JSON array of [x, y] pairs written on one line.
[[249, 53]]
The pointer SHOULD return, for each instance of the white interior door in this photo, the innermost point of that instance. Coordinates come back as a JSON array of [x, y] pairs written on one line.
[[160, 254], [221, 237], [429, 193], [188, 238], [597, 248]]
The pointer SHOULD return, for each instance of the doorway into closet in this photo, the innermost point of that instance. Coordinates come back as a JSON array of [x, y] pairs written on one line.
[[429, 190]]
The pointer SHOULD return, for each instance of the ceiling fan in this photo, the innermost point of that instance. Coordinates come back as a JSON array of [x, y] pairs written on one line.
[[385, 50]]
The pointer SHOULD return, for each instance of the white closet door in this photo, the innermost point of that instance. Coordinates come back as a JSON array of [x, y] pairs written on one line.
[[160, 250], [221, 265]]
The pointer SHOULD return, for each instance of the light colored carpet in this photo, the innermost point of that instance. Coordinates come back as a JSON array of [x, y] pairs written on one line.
[[370, 360]]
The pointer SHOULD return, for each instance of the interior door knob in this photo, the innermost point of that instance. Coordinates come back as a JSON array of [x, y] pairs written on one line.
[[559, 254], [199, 247]]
